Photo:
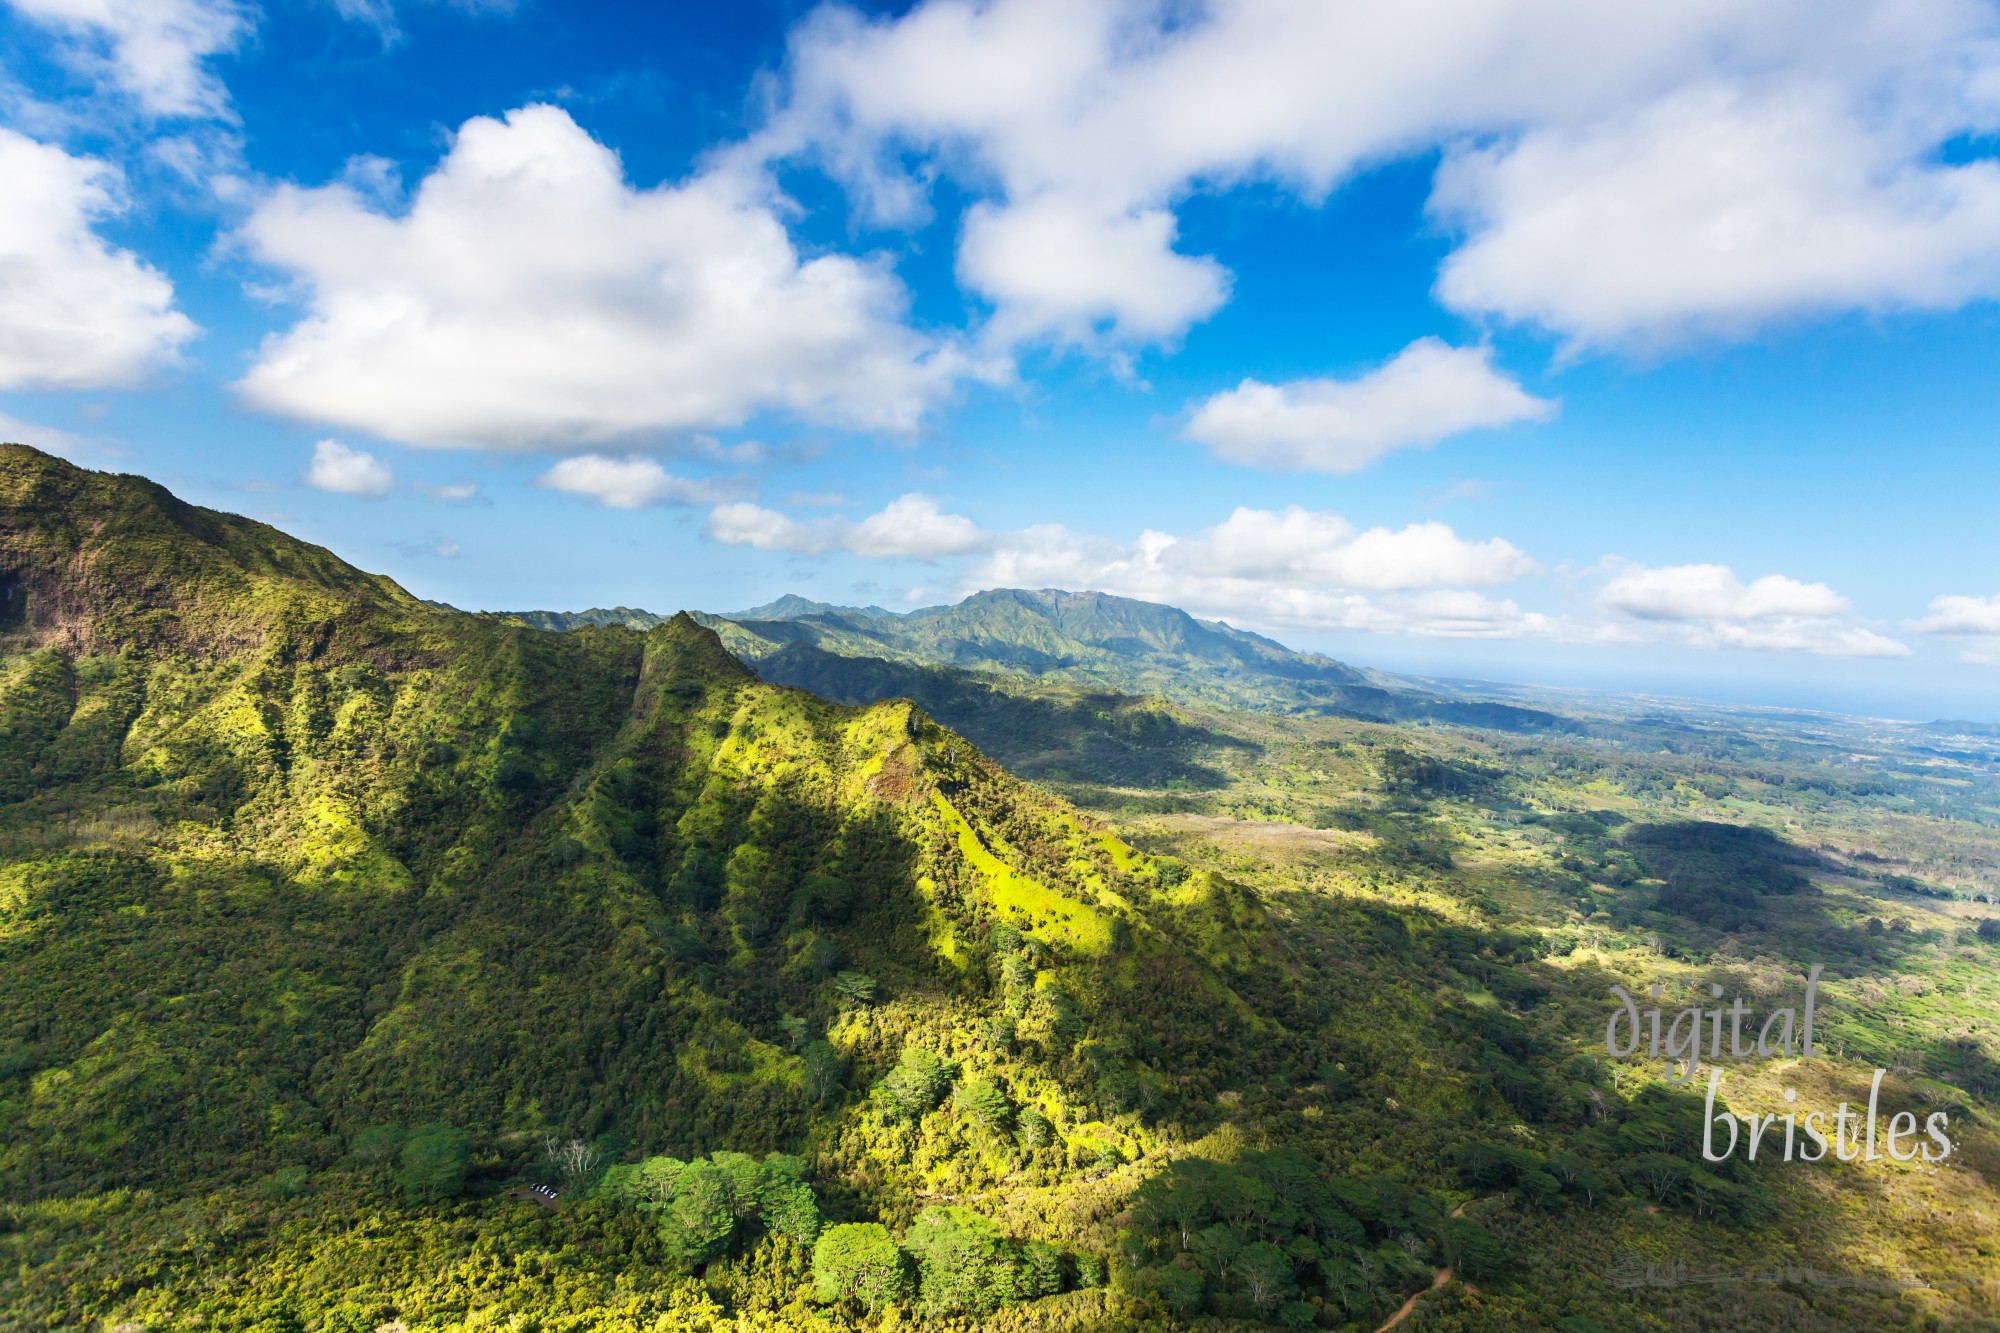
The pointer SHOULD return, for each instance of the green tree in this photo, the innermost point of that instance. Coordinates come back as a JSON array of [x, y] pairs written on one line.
[[785, 1203], [699, 880], [696, 1224], [789, 1209], [1041, 1270], [1036, 1131], [918, 1081], [1266, 1274], [982, 1102], [964, 1264], [859, 1261], [1659, 1174], [1179, 1289], [1540, 1189], [747, 1178], [854, 988], [1577, 1176], [379, 1145], [823, 1071], [285, 1182], [433, 1163], [1472, 1251]]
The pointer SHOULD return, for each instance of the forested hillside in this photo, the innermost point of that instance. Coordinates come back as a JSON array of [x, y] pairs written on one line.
[[334, 922]]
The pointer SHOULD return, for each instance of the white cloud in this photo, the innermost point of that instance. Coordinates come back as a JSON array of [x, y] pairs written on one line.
[[152, 49], [453, 491], [345, 471], [1962, 615], [1426, 392], [1713, 213], [910, 527], [1054, 268], [625, 483], [746, 524], [1973, 618], [1325, 549], [1294, 567], [1713, 592], [74, 311], [1708, 606], [1714, 164], [1308, 569], [530, 298], [1284, 563]]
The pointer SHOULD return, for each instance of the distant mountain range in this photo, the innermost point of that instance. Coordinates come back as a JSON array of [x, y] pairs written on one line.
[[1051, 638]]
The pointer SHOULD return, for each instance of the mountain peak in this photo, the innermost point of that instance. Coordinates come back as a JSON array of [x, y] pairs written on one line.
[[101, 561], [791, 606]]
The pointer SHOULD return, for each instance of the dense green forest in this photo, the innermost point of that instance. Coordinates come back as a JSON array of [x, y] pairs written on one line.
[[369, 965]]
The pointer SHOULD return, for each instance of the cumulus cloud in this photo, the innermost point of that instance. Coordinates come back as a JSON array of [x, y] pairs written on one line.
[[1712, 213], [1289, 567], [910, 527], [1051, 267], [1706, 165], [1428, 391], [1706, 605], [1292, 567], [746, 524], [154, 50], [1962, 615], [913, 526], [1973, 618], [347, 471], [1310, 569], [1713, 592], [75, 311], [626, 483], [529, 298]]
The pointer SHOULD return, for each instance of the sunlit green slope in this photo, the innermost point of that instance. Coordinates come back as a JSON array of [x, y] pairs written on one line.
[[332, 920]]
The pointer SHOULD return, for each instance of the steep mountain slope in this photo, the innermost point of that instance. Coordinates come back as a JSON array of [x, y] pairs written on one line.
[[443, 820], [288, 855], [331, 918]]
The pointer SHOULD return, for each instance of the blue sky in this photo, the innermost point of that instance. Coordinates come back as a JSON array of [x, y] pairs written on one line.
[[1650, 350]]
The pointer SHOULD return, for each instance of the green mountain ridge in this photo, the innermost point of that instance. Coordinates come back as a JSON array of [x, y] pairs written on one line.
[[333, 920], [292, 863], [1075, 641], [1084, 639]]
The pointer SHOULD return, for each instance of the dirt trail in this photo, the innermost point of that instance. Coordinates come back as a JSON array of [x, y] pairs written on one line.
[[1443, 1276]]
